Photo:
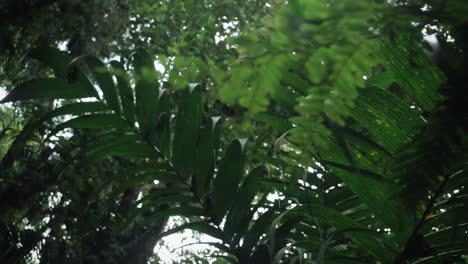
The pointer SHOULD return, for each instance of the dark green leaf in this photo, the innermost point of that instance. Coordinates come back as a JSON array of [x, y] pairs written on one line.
[[259, 227], [104, 81], [187, 211], [56, 59], [48, 88], [205, 157], [187, 127], [96, 121], [240, 215], [227, 180], [146, 95], [124, 148], [390, 121], [76, 109], [349, 228], [414, 71], [125, 91], [382, 80], [201, 226]]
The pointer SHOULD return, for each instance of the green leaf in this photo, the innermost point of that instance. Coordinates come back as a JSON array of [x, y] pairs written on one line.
[[285, 97], [227, 180], [145, 178], [454, 234], [123, 146], [356, 170], [164, 124], [390, 121], [95, 121], [76, 109], [201, 226], [315, 65], [349, 228], [383, 199], [280, 125], [125, 91], [262, 255], [382, 80], [57, 60], [205, 157], [48, 88], [296, 81], [414, 71], [258, 228], [186, 211], [149, 201], [146, 95], [240, 215], [69, 109], [104, 80], [188, 121]]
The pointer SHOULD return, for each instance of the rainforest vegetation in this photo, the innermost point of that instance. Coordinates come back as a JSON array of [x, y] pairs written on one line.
[[267, 131]]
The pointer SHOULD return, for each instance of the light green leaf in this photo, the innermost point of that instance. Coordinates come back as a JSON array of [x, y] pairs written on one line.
[[280, 125]]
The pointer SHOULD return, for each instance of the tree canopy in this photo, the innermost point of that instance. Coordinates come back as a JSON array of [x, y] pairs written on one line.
[[300, 131]]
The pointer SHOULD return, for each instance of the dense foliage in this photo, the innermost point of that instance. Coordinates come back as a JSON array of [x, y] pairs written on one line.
[[301, 131]]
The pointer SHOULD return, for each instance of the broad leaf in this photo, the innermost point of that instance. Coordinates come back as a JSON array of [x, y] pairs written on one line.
[[188, 121], [227, 180], [349, 228], [76, 109], [104, 81], [205, 156], [57, 60], [96, 121], [125, 91], [146, 95], [48, 88], [240, 215]]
